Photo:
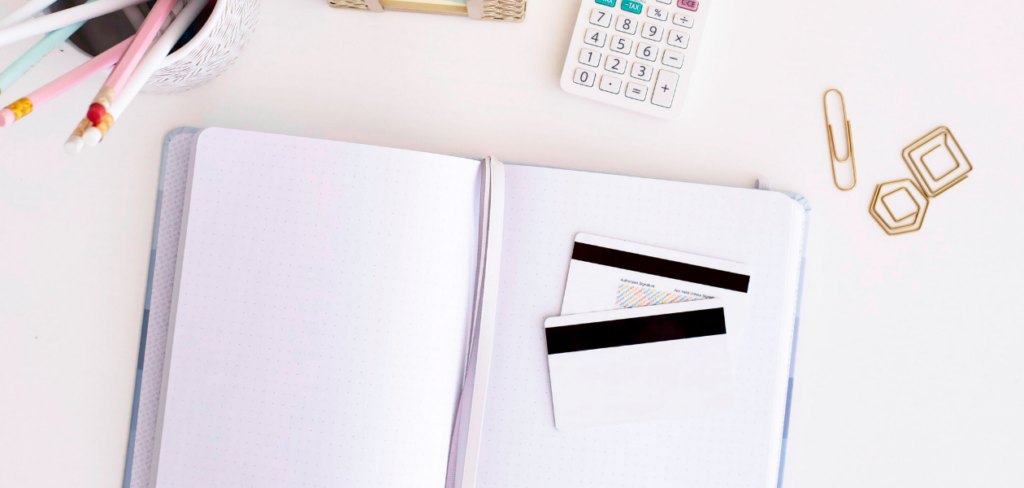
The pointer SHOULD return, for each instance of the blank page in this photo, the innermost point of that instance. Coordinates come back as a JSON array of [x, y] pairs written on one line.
[[321, 313], [544, 210]]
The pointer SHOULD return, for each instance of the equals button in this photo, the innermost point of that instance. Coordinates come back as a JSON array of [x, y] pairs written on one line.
[[636, 91]]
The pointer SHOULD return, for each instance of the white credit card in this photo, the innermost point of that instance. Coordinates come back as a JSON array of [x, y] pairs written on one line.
[[609, 274], [639, 364]]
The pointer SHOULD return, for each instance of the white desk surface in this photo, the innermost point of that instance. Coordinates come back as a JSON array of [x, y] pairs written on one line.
[[909, 366]]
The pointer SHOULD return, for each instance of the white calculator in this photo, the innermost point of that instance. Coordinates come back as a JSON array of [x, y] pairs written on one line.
[[635, 54]]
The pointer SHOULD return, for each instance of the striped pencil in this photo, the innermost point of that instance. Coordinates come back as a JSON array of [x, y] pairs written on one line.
[[63, 18], [122, 72], [153, 60], [30, 8], [24, 63], [25, 105]]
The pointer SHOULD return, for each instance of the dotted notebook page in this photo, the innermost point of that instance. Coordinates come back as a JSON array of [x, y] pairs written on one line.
[[321, 315], [545, 208]]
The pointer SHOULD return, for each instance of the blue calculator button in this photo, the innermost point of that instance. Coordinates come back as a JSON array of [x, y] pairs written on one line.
[[632, 6], [610, 3]]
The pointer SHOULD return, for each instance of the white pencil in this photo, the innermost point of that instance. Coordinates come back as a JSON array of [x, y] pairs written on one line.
[[154, 59], [23, 12], [62, 18]]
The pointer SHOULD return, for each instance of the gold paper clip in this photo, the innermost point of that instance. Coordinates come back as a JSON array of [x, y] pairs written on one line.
[[832, 143]]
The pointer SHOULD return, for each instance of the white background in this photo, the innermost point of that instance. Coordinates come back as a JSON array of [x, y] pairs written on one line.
[[909, 365]]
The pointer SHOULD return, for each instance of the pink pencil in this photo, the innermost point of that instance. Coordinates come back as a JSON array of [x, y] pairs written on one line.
[[24, 106], [122, 73]]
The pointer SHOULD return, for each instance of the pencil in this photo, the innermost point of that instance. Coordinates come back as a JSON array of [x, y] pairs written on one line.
[[23, 12], [25, 105], [62, 18], [152, 62], [122, 72], [20, 66]]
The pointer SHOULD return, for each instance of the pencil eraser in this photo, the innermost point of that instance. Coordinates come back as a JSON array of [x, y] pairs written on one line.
[[7, 117], [74, 145], [96, 112], [92, 136]]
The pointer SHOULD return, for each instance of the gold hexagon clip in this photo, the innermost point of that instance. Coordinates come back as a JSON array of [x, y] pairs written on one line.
[[899, 207]]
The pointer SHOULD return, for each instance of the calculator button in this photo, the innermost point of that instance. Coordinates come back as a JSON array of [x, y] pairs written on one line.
[[610, 84], [634, 6], [672, 58], [601, 18], [610, 3], [665, 88], [625, 24], [652, 32], [666, 2], [641, 72], [647, 51], [590, 58], [595, 37], [615, 65], [683, 20], [584, 77], [656, 12], [678, 39], [621, 44], [636, 91], [690, 5]]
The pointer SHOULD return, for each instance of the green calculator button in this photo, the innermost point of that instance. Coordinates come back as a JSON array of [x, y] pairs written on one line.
[[632, 6], [610, 3]]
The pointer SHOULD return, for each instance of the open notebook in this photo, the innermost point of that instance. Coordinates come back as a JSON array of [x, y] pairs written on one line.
[[330, 314]]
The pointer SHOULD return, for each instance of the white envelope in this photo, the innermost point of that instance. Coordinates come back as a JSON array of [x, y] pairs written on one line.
[[639, 364]]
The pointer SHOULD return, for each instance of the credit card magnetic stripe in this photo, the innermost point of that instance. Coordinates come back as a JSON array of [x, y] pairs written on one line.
[[660, 267], [636, 330]]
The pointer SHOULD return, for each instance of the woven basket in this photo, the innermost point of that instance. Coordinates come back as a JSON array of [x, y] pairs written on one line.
[[499, 10]]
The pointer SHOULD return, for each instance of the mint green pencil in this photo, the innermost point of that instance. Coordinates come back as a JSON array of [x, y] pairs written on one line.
[[21, 65]]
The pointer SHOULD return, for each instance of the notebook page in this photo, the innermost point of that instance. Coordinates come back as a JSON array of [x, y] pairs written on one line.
[[321, 313], [544, 209]]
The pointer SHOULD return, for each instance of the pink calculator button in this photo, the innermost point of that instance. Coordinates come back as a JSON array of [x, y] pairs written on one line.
[[688, 5]]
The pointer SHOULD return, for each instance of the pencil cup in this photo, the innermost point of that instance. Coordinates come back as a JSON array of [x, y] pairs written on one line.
[[215, 46]]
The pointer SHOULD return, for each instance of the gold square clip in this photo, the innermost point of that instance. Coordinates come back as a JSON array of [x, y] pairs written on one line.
[[937, 162]]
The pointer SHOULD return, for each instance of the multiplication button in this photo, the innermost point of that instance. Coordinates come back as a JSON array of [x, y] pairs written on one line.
[[678, 39]]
